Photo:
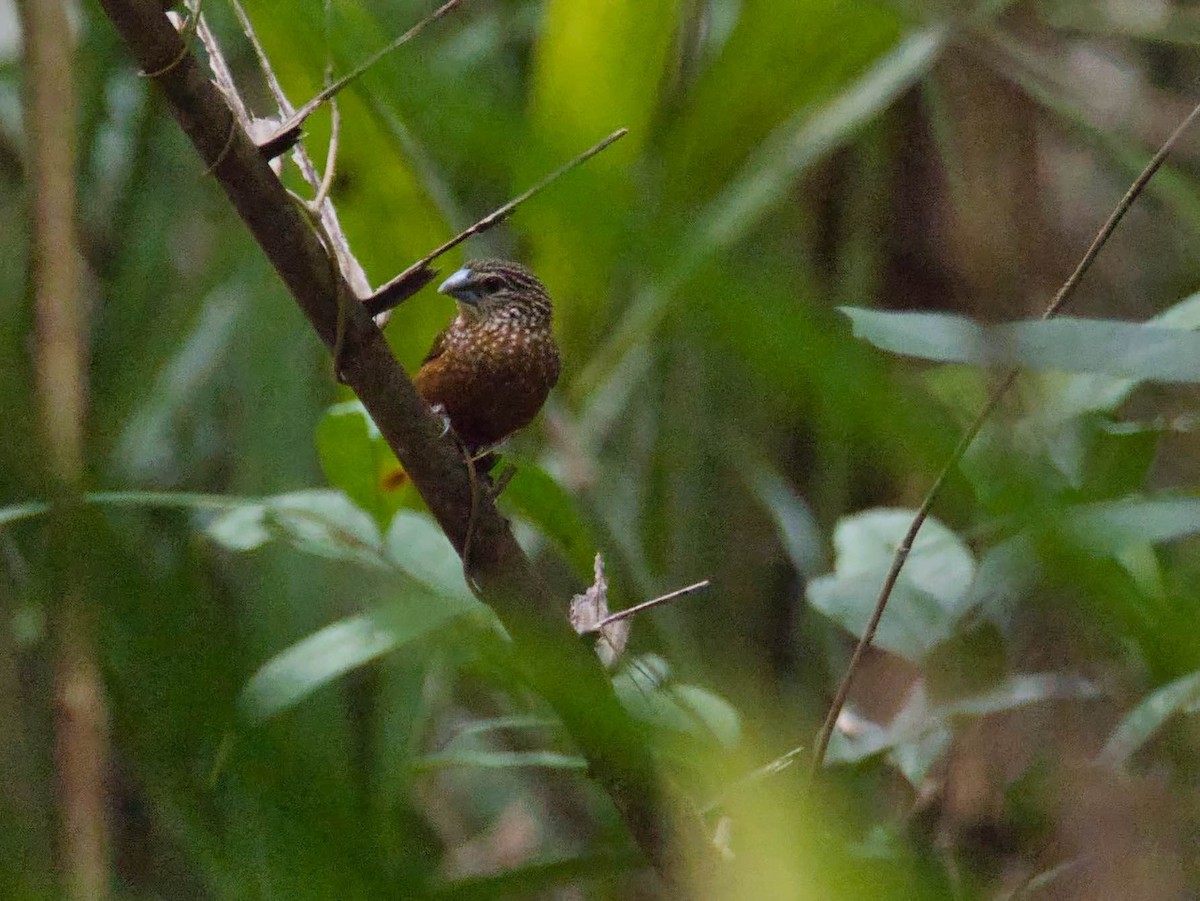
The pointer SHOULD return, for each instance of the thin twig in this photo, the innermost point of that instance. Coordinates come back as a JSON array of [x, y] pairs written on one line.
[[416, 276], [286, 135], [1060, 300], [220, 69], [653, 602], [264, 63], [771, 768], [469, 538], [335, 237], [335, 131]]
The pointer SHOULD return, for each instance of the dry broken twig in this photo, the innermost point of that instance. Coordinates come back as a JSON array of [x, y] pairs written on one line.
[[588, 615]]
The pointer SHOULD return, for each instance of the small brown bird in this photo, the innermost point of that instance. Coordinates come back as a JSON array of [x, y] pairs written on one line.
[[490, 370]]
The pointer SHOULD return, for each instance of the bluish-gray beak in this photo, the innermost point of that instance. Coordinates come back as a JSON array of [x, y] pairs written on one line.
[[459, 287]]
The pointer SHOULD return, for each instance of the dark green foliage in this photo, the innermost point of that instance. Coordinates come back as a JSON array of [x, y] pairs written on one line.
[[307, 701]]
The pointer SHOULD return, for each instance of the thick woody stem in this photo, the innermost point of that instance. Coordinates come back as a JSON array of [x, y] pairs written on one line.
[[559, 667], [81, 726]]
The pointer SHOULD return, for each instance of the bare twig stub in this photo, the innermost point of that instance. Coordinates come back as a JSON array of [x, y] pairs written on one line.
[[654, 602], [1055, 306], [563, 671]]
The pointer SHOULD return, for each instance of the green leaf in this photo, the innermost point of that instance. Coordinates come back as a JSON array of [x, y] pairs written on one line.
[[646, 692], [320, 522], [1109, 528], [542, 502], [579, 241], [20, 512], [930, 595], [1065, 395], [504, 724], [1139, 725], [183, 500], [416, 545], [764, 178], [1130, 350], [499, 760], [808, 137], [297, 672], [601, 39], [794, 521], [356, 459]]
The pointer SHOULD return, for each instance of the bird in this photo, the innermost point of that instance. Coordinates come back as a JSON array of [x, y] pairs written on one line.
[[490, 370]]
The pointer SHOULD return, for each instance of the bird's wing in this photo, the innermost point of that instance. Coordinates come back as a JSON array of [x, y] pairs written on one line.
[[439, 346]]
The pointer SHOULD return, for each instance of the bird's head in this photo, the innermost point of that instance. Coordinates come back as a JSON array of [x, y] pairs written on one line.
[[499, 290]]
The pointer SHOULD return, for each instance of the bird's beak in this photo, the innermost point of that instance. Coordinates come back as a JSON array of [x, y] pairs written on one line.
[[460, 287]]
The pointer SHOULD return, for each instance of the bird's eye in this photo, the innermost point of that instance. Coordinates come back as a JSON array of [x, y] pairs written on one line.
[[492, 283]]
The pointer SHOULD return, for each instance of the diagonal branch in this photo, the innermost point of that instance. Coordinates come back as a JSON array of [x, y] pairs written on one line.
[[558, 666]]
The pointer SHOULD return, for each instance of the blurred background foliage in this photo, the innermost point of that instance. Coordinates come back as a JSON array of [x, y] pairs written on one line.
[[305, 700]]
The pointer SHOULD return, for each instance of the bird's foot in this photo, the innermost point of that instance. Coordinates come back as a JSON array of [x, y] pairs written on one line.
[[439, 410]]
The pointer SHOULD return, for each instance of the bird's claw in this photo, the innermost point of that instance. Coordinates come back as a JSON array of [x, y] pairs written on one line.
[[439, 410]]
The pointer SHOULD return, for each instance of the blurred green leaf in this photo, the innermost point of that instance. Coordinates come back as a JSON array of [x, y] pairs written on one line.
[[601, 39], [1064, 396], [294, 674], [1140, 725], [1108, 528], [542, 502], [504, 724], [781, 61], [761, 184], [419, 547], [320, 522], [647, 693], [930, 595], [798, 530], [1128, 349], [583, 87], [146, 448], [538, 878], [356, 458], [808, 137], [499, 760], [20, 512]]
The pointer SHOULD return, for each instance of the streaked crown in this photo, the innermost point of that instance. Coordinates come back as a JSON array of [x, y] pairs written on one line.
[[487, 289]]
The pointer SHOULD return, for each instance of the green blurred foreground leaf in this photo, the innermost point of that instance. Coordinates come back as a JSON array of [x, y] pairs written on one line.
[[499, 760], [1126, 349], [415, 546], [1111, 527], [543, 503], [293, 675], [324, 523]]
